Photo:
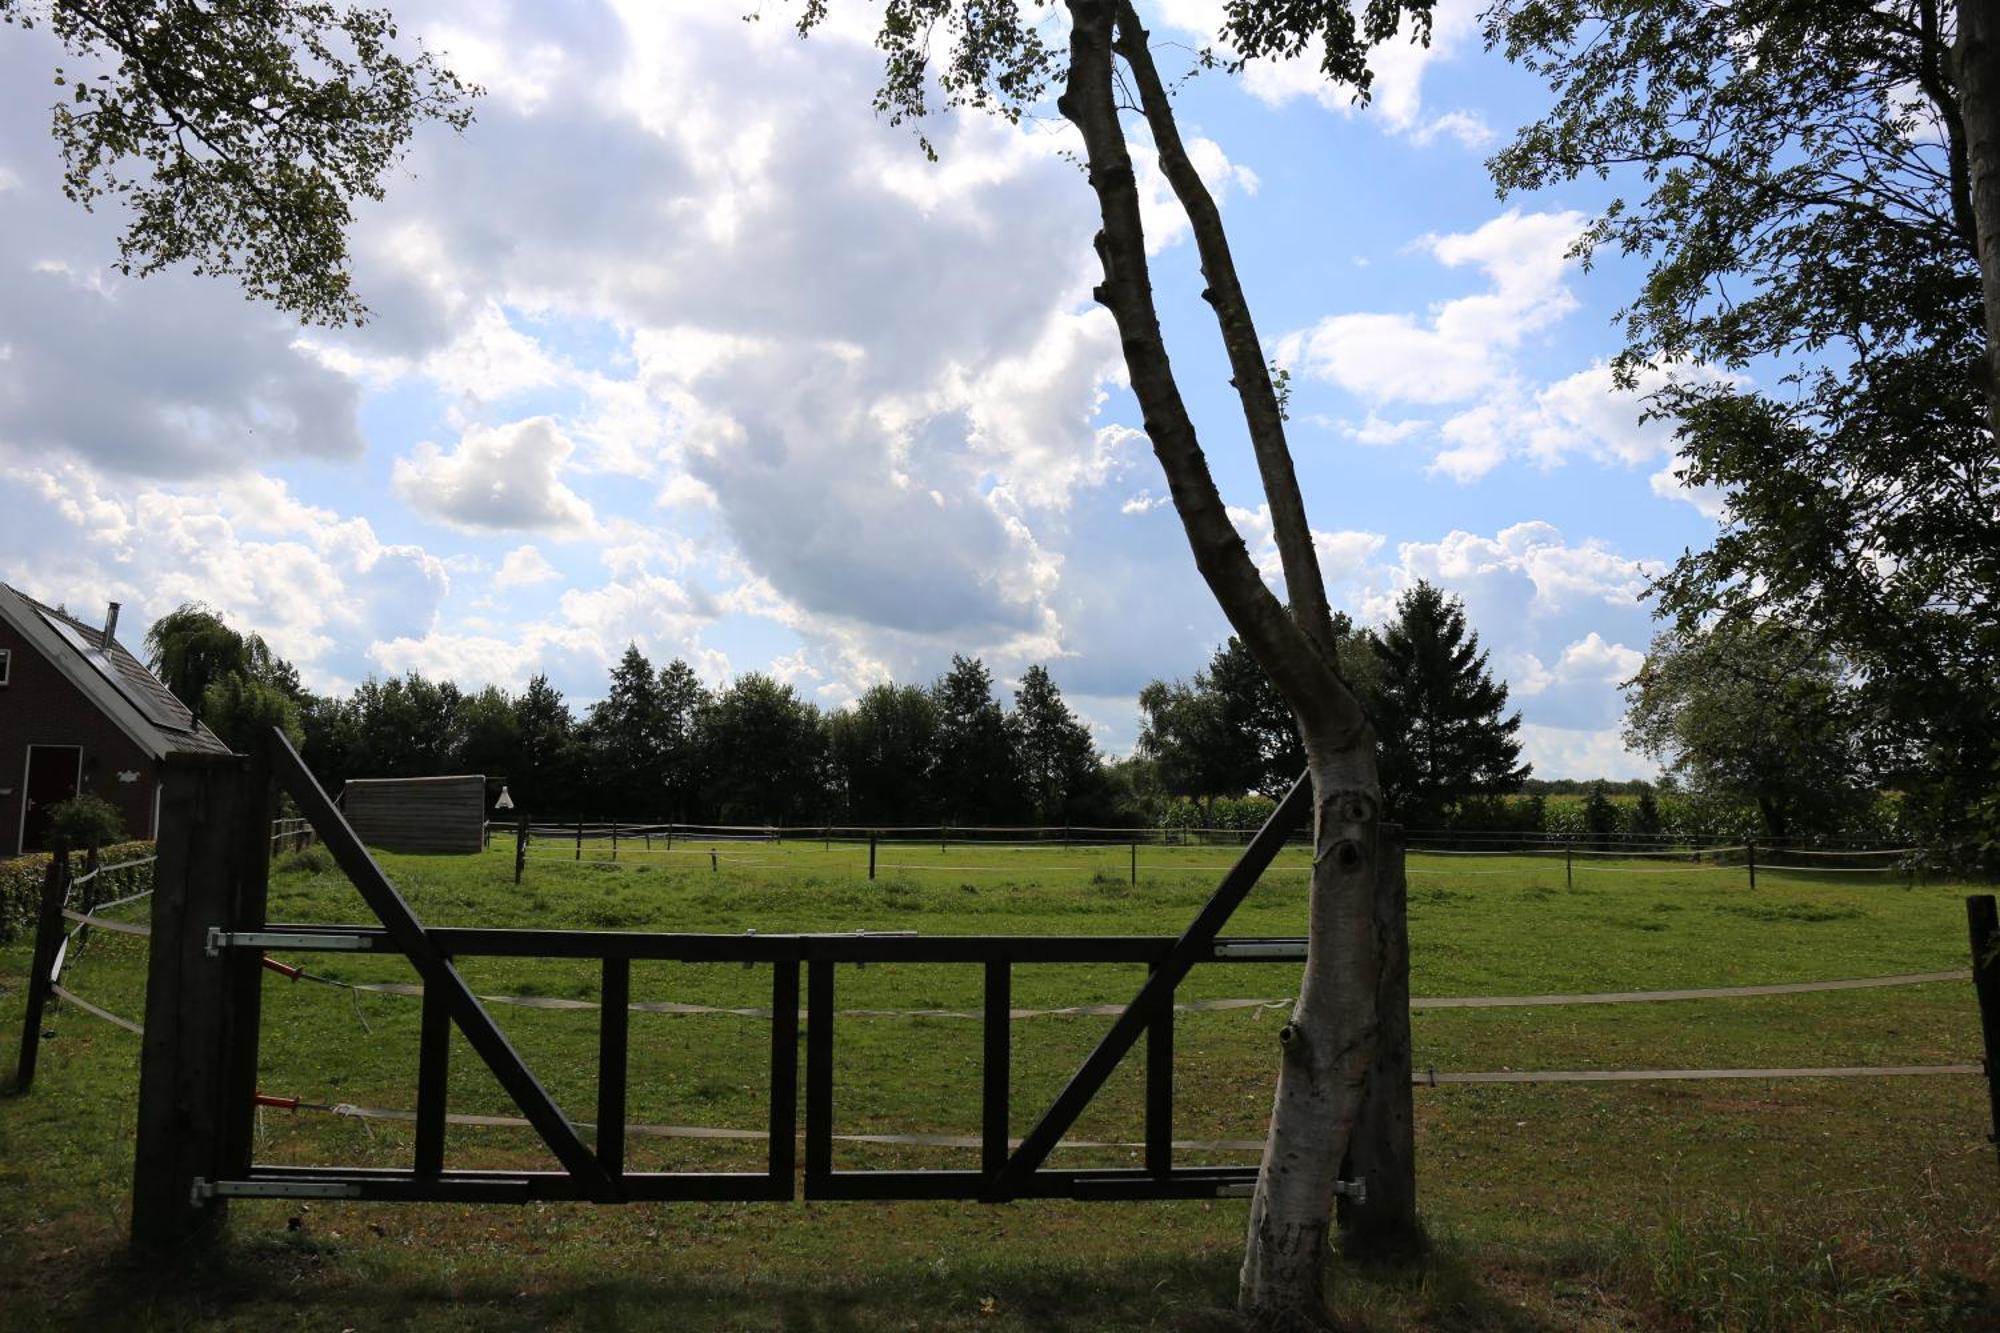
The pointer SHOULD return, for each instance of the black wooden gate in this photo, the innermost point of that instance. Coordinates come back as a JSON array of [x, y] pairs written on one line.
[[210, 933]]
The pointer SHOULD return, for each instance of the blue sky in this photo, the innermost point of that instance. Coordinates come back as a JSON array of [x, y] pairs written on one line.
[[680, 345]]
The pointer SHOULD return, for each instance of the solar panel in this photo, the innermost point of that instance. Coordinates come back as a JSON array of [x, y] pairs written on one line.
[[155, 704]]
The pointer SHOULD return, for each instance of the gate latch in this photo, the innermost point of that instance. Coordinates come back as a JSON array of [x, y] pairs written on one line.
[[1356, 1190], [220, 939]]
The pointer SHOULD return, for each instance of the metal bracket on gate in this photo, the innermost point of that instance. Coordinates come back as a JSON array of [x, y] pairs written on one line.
[[203, 1189], [220, 939], [1277, 951], [1356, 1190]]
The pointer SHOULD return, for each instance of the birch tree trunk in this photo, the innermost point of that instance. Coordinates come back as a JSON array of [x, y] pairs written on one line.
[[1327, 1046], [1976, 71]]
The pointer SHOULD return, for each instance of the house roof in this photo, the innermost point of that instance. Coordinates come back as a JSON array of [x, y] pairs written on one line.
[[110, 677]]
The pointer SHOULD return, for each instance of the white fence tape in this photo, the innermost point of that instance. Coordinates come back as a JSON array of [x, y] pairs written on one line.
[[413, 991], [1432, 1079]]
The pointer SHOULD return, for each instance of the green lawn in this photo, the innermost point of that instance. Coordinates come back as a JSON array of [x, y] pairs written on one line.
[[1836, 1203]]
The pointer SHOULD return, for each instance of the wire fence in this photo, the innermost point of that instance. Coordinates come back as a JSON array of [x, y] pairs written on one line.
[[1436, 840], [906, 851], [79, 903]]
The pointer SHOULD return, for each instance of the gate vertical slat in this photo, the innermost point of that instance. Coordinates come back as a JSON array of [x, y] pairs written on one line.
[[784, 1076], [1160, 1093], [433, 1083], [995, 1094], [244, 969], [614, 1020], [819, 1072]]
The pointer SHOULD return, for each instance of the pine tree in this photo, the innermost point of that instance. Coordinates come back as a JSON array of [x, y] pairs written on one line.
[[624, 739], [1600, 818], [681, 750], [977, 780], [1057, 759], [1439, 713], [542, 719]]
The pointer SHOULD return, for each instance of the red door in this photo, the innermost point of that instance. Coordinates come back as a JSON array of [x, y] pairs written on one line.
[[53, 771]]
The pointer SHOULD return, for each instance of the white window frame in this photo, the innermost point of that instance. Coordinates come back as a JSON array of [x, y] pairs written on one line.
[[6, 666]]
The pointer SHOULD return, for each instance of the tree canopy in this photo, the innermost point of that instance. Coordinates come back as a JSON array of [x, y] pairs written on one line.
[[1800, 181], [1756, 713], [238, 134]]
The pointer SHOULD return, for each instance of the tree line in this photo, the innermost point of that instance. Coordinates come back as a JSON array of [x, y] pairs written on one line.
[[662, 746]]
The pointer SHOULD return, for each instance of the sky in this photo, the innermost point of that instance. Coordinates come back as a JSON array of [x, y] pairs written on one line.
[[681, 345]]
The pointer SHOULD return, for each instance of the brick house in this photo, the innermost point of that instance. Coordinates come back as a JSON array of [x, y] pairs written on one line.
[[78, 713]]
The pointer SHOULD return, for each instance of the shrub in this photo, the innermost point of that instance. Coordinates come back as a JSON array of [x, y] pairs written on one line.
[[313, 860], [85, 823], [21, 885]]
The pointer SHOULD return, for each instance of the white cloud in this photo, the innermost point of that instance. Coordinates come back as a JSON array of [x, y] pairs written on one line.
[[314, 584], [1581, 752], [1462, 347], [1380, 430], [1341, 554], [499, 479], [1590, 660], [524, 567]]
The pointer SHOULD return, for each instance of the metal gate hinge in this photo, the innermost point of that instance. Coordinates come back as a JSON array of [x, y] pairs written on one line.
[[202, 1190], [1356, 1190]]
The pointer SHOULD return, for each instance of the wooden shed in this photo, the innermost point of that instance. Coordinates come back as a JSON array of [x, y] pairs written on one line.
[[418, 814]]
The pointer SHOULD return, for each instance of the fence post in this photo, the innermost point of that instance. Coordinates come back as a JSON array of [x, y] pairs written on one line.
[[1383, 1149], [579, 839], [520, 846], [1569, 865], [1135, 863], [1984, 926], [198, 1065], [614, 840], [714, 862], [1750, 859], [48, 938], [871, 854]]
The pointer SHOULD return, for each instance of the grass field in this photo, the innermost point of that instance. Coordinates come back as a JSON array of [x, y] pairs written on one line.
[[1818, 1203]]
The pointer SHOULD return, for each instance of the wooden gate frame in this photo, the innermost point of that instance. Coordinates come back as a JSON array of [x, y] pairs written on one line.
[[198, 1075]]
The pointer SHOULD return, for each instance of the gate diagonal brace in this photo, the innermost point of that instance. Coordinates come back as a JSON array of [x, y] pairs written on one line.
[[1155, 999], [435, 969]]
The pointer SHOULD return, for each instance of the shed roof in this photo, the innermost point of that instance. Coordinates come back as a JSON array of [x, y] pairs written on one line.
[[110, 677]]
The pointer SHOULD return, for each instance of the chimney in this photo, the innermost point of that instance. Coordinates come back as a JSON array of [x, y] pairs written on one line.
[[110, 626]]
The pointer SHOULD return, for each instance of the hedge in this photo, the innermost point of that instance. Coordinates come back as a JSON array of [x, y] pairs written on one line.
[[21, 885]]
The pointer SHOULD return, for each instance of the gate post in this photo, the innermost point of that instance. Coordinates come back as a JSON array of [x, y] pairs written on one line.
[[198, 1064], [520, 846], [1983, 921], [1383, 1150], [48, 939]]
